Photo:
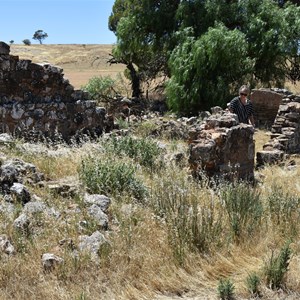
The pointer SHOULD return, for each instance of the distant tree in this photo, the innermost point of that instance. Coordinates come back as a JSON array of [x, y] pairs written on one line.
[[40, 35], [26, 42], [11, 42]]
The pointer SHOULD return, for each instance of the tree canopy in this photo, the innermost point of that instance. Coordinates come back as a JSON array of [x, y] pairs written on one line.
[[207, 48]]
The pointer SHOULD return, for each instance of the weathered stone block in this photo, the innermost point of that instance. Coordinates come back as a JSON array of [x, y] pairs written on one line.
[[223, 152], [266, 104]]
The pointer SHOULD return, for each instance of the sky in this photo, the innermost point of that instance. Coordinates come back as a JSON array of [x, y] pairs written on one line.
[[65, 21]]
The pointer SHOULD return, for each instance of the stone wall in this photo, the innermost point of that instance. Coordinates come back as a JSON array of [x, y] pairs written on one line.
[[266, 103], [37, 98], [221, 147], [285, 133], [52, 120]]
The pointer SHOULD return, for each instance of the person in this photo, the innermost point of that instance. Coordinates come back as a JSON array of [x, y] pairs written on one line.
[[242, 106]]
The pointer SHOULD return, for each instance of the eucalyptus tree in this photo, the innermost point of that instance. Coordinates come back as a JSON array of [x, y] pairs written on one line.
[[233, 42], [144, 29]]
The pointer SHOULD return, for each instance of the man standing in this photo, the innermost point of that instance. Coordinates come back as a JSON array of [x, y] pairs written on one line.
[[242, 106]]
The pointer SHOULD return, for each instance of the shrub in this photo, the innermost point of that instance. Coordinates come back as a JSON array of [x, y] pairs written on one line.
[[226, 289], [101, 87], [243, 206], [253, 282], [277, 266], [143, 151], [110, 176], [192, 223], [282, 208]]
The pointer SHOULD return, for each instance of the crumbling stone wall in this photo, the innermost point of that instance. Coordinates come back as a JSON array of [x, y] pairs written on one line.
[[285, 137], [222, 147], [266, 103], [37, 98]]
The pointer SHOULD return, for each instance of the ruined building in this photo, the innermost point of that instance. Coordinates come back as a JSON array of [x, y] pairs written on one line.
[[222, 147], [285, 133], [36, 99]]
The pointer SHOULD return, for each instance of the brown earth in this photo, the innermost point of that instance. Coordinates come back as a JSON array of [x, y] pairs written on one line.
[[80, 62]]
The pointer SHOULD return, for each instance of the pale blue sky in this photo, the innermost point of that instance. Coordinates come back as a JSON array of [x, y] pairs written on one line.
[[65, 21]]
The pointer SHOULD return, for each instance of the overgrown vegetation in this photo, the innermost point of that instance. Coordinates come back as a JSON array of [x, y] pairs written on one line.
[[101, 88]]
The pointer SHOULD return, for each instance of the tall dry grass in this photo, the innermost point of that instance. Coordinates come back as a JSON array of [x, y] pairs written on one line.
[[179, 239]]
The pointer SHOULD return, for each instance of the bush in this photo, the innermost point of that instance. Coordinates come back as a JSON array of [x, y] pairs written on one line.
[[283, 209], [226, 289], [101, 87], [243, 206], [277, 267], [204, 71], [253, 282], [192, 223], [26, 42], [143, 151], [112, 177]]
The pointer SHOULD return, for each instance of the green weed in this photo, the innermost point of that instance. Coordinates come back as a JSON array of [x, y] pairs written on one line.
[[226, 289], [277, 267]]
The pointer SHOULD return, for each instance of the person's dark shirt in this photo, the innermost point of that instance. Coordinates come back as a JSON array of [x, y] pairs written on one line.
[[244, 112]]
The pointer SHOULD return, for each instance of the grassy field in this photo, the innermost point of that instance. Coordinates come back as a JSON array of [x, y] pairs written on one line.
[[80, 62]]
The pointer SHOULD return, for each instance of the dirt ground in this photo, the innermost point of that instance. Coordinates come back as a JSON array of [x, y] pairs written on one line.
[[80, 62]]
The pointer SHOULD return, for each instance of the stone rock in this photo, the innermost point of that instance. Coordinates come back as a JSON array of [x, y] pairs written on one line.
[[35, 207], [92, 243], [20, 192], [8, 173], [4, 48], [22, 223], [50, 261], [98, 215], [100, 200], [222, 148], [5, 139], [216, 110], [5, 245], [266, 104], [269, 157]]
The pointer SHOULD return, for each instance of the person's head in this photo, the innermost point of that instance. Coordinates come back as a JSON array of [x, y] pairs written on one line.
[[244, 91]]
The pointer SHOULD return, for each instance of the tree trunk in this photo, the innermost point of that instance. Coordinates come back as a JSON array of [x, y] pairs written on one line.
[[135, 81]]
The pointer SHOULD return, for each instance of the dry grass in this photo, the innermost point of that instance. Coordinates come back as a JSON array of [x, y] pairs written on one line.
[[141, 264], [79, 62]]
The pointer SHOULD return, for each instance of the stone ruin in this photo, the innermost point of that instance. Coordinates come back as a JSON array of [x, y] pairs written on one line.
[[285, 133], [266, 103], [36, 100], [222, 147]]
